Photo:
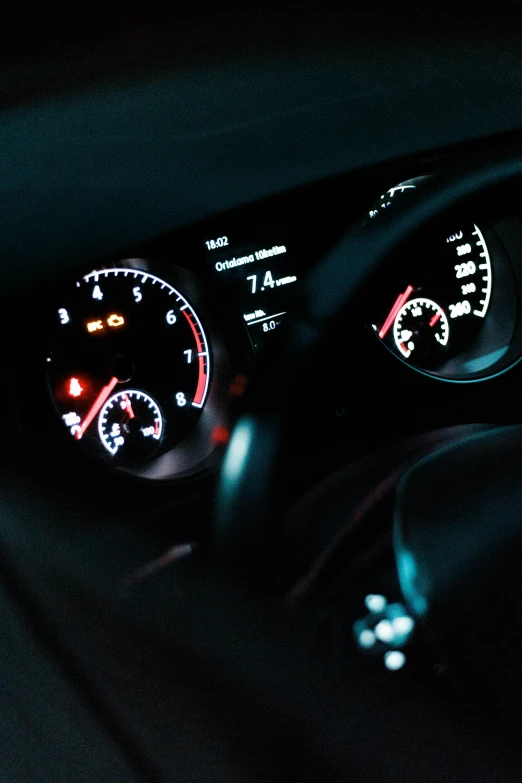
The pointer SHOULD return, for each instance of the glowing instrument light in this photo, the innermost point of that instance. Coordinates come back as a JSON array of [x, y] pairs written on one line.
[[75, 388], [115, 320], [399, 302], [95, 407]]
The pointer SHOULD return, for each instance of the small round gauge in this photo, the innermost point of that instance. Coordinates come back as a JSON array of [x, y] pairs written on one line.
[[420, 328], [129, 369], [130, 425]]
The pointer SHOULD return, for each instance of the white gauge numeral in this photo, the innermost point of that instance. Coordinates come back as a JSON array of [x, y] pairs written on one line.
[[461, 308], [455, 237], [269, 280], [465, 269], [181, 400], [171, 317], [138, 296], [64, 315], [188, 354], [72, 420], [97, 293], [463, 250]]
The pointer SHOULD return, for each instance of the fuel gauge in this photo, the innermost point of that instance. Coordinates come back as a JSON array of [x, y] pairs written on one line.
[[131, 425], [420, 328]]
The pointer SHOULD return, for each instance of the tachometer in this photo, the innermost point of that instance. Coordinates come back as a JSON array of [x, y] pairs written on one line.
[[129, 369]]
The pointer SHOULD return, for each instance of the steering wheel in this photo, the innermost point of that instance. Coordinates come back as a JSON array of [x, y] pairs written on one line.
[[456, 560]]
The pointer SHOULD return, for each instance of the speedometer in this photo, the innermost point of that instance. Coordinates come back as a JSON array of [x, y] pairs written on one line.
[[473, 269], [441, 311], [129, 367], [445, 302]]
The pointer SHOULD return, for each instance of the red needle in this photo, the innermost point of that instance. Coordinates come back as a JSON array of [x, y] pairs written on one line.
[[129, 406], [435, 319], [401, 299], [98, 402]]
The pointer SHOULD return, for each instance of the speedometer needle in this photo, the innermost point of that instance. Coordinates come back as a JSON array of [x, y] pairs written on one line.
[[98, 402], [399, 302]]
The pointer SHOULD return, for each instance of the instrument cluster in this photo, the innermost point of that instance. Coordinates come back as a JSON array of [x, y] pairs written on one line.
[[145, 354]]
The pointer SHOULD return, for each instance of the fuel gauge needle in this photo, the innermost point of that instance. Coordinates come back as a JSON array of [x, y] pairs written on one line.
[[98, 402], [399, 302], [128, 406]]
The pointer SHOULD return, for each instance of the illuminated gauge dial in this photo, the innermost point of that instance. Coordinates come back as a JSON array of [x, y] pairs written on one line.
[[130, 425], [433, 307], [117, 331], [420, 328]]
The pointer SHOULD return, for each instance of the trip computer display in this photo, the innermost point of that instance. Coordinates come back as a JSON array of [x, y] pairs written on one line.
[[261, 278]]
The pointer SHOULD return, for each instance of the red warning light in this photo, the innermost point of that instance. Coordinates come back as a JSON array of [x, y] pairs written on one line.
[[220, 435], [75, 388]]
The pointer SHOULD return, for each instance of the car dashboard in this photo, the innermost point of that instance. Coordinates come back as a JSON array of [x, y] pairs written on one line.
[[178, 207], [135, 366]]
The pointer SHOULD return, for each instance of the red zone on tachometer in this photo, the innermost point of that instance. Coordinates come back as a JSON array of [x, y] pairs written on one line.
[[203, 376]]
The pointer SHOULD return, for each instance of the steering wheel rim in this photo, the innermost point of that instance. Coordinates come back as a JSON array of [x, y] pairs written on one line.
[[246, 504]]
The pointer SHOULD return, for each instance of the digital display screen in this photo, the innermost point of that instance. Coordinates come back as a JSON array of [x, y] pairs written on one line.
[[261, 278]]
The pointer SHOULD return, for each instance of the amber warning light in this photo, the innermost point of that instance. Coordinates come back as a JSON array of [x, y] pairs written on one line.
[[114, 321]]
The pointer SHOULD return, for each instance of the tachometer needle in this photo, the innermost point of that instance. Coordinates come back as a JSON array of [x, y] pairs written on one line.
[[98, 402], [399, 302]]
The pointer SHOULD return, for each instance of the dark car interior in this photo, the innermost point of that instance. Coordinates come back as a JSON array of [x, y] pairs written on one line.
[[261, 286]]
